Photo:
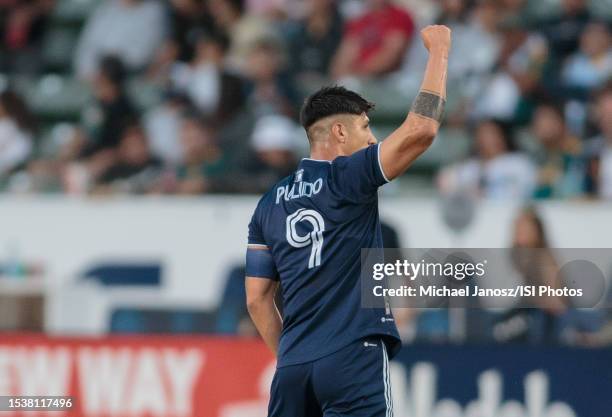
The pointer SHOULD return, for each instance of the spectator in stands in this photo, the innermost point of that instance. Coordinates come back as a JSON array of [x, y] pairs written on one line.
[[134, 168], [469, 67], [163, 124], [17, 126], [130, 29], [242, 28], [599, 148], [424, 12], [453, 12], [499, 95], [271, 90], [561, 171], [92, 149], [524, 57], [204, 162], [563, 31], [274, 144], [497, 171], [314, 40], [188, 19], [22, 29], [217, 93], [106, 119], [529, 230], [536, 319], [591, 66], [43, 171], [374, 44]]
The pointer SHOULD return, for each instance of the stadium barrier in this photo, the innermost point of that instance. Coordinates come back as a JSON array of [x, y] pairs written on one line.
[[194, 243]]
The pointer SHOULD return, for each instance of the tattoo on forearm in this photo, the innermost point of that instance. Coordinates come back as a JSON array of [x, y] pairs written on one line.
[[429, 105]]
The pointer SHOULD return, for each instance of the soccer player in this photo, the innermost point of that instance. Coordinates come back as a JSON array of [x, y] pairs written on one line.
[[307, 233]]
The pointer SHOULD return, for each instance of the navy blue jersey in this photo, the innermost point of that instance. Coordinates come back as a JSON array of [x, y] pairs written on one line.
[[315, 223]]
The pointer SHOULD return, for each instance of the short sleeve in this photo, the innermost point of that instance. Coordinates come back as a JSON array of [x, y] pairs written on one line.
[[259, 260], [255, 230], [358, 176]]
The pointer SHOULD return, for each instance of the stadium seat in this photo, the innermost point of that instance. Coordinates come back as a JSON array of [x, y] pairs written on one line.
[[178, 321], [54, 96], [125, 274], [232, 306], [58, 47], [74, 10], [128, 321]]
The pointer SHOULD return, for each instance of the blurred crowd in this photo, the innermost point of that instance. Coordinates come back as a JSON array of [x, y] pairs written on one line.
[[530, 90]]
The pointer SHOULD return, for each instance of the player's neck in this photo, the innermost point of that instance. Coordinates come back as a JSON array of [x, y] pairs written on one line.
[[322, 157], [324, 153]]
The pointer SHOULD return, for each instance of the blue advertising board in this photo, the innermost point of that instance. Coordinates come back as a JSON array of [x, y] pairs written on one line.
[[502, 381]]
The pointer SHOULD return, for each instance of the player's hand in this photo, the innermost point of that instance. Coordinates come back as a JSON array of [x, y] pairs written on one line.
[[437, 38]]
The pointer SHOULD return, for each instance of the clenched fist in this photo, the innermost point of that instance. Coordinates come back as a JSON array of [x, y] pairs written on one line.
[[437, 38]]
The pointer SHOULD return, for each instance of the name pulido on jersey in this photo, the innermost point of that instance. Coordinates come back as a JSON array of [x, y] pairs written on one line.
[[299, 188], [423, 378]]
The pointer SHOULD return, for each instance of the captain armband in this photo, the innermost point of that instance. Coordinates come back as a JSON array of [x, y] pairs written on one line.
[[259, 262], [429, 105]]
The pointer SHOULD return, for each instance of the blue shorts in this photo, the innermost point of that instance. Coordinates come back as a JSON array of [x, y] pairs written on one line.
[[353, 381]]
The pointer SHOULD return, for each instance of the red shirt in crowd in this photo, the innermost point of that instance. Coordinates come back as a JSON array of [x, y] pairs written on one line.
[[371, 29]]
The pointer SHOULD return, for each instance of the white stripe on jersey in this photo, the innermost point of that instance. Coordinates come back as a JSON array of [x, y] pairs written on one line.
[[387, 381]]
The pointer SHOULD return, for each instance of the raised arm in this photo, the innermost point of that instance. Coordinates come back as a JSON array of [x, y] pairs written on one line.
[[416, 134]]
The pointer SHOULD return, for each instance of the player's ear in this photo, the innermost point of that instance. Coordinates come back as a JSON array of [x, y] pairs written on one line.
[[339, 132]]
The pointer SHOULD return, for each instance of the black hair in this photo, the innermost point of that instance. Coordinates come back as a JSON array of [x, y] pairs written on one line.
[[16, 108], [504, 128], [532, 213], [556, 107], [329, 101], [220, 38], [238, 5], [112, 68], [214, 35]]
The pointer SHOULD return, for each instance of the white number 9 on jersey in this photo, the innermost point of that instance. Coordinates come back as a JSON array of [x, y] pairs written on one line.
[[314, 238]]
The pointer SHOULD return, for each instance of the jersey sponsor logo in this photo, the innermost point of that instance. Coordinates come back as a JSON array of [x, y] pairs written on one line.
[[299, 189], [314, 238], [298, 175]]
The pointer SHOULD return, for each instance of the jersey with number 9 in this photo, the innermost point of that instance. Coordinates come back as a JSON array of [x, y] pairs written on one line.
[[313, 224]]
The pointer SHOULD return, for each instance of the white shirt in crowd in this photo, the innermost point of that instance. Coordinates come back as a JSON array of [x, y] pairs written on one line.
[[202, 83], [511, 176], [15, 145], [605, 174], [130, 30], [163, 126]]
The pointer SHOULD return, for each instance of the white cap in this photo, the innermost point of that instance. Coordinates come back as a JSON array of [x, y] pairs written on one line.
[[274, 133]]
